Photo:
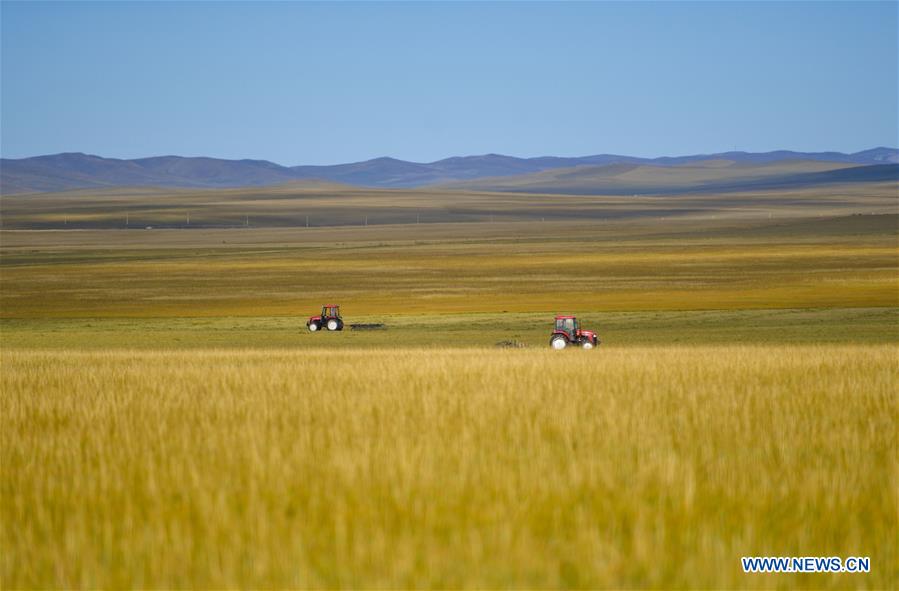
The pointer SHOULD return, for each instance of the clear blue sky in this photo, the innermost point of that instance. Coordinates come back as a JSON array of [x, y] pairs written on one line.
[[310, 83]]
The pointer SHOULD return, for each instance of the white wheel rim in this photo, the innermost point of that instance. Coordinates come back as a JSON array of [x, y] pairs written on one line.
[[558, 343], [332, 325], [588, 345], [313, 327]]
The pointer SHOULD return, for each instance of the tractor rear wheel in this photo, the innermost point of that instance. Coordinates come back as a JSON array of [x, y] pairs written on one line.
[[313, 326], [558, 342], [333, 324]]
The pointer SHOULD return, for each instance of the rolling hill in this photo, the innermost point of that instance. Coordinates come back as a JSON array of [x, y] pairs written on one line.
[[62, 172], [718, 176], [67, 171]]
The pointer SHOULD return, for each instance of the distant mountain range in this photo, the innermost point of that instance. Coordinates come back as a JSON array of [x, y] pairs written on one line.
[[60, 172]]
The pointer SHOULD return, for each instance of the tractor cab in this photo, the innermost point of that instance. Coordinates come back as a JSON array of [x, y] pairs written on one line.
[[566, 325], [330, 311]]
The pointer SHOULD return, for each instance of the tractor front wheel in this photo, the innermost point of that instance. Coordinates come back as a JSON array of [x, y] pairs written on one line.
[[313, 326], [558, 342], [333, 324], [587, 344]]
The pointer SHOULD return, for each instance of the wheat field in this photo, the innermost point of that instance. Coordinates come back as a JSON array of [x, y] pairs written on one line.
[[628, 467]]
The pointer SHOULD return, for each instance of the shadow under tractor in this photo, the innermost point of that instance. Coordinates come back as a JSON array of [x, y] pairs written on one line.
[[568, 333]]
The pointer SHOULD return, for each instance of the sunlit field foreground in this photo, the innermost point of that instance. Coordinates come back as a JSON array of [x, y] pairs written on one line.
[[640, 466]]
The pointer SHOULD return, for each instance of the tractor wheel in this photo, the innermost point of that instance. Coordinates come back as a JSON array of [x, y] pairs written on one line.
[[313, 326], [333, 324], [558, 343], [587, 344]]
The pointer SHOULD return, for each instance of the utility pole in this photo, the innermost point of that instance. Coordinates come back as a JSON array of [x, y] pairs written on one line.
[[188, 218], [365, 220], [307, 221], [247, 223]]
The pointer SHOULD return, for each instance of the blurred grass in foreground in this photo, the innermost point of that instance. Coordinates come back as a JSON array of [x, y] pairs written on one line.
[[654, 467]]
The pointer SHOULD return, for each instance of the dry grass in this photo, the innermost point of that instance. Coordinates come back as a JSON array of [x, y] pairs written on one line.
[[297, 206], [651, 467], [588, 267]]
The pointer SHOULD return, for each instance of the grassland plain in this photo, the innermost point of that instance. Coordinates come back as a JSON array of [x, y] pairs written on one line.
[[323, 205], [465, 330], [166, 421], [640, 467], [399, 270]]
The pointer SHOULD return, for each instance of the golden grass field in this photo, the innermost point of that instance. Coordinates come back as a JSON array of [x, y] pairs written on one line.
[[629, 467], [445, 268], [168, 423]]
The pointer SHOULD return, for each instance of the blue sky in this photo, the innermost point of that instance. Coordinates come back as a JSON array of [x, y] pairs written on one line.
[[321, 83]]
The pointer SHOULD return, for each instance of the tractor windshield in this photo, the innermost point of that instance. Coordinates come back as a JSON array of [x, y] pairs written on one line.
[[568, 325], [330, 312]]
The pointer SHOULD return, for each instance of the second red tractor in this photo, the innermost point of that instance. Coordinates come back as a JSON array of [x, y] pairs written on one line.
[[568, 333]]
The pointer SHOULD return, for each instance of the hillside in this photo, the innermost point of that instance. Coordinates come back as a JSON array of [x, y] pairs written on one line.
[[720, 176]]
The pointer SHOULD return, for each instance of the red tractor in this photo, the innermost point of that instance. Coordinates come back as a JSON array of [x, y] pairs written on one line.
[[329, 318], [568, 333]]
